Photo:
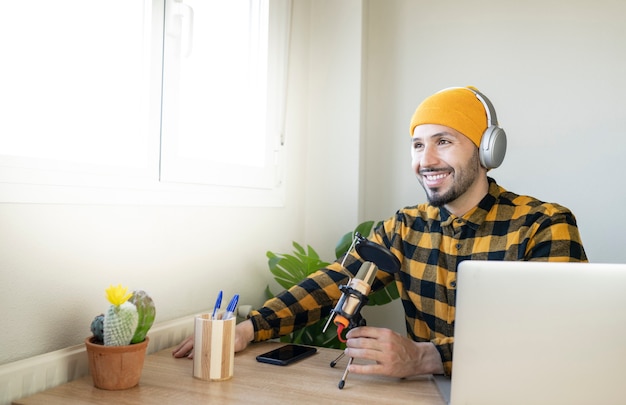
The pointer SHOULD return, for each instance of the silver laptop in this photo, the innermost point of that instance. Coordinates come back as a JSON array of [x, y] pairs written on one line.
[[539, 333]]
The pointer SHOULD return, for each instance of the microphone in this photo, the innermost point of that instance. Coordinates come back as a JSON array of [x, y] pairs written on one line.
[[346, 313]]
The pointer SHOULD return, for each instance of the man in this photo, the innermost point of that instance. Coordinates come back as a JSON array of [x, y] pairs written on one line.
[[468, 217]]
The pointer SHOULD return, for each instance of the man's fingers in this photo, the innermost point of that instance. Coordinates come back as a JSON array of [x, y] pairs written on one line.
[[185, 349]]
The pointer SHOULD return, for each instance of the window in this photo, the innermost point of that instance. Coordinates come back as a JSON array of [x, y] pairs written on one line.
[[143, 100]]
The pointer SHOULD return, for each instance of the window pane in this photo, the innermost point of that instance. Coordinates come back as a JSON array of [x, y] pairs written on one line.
[[82, 99], [74, 82], [215, 110], [222, 84]]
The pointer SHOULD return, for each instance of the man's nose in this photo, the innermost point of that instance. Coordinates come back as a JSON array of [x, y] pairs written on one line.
[[430, 156]]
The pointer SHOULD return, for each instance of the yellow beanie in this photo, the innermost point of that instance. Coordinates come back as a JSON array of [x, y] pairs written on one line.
[[457, 108]]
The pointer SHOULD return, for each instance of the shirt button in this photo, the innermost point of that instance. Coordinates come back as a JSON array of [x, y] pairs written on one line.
[[453, 284], [458, 246]]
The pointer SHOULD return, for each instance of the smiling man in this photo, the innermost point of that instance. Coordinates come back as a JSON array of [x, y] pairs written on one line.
[[447, 165], [455, 141], [446, 147]]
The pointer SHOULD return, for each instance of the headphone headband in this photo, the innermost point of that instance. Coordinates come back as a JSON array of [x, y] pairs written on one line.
[[492, 118], [492, 146], [493, 142]]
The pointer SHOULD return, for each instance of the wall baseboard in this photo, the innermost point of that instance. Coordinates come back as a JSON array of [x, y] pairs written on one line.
[[30, 376]]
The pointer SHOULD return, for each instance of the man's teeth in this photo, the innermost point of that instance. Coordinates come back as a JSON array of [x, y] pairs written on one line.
[[436, 176]]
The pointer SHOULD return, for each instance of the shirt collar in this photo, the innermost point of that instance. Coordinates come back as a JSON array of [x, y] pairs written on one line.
[[476, 216]]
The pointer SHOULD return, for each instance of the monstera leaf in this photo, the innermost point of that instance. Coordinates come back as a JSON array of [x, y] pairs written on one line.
[[289, 270]]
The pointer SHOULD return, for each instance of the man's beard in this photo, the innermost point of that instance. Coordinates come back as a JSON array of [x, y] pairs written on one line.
[[463, 180]]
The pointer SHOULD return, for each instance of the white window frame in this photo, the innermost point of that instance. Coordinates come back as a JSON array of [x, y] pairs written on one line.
[[25, 180]]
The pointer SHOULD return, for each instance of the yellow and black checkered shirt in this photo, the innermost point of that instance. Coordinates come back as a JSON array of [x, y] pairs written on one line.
[[430, 243]]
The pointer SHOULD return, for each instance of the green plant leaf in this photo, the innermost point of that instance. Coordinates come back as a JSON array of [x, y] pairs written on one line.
[[344, 243], [298, 248], [268, 292], [365, 228], [384, 296], [290, 269]]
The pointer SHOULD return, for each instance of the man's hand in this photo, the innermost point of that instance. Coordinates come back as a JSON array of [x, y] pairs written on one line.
[[184, 349], [394, 355], [244, 333]]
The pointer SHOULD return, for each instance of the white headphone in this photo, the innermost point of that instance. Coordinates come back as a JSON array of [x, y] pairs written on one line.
[[493, 142]]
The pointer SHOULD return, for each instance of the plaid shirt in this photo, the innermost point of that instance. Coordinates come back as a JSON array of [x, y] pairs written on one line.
[[430, 243]]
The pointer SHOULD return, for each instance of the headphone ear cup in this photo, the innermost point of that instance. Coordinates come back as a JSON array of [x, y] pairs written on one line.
[[492, 147]]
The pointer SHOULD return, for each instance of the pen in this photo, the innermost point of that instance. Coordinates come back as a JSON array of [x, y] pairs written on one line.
[[218, 304], [230, 310]]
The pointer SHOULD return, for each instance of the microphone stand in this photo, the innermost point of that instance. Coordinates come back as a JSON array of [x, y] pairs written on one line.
[[354, 320]]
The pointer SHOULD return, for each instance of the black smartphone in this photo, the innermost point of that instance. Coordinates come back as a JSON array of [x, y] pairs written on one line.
[[286, 354]]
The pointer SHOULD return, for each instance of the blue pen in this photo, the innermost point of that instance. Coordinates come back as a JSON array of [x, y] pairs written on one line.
[[218, 304], [230, 310]]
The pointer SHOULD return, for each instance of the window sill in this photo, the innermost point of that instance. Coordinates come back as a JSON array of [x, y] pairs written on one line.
[[146, 193]]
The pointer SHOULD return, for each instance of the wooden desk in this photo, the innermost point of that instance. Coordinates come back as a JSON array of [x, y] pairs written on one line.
[[166, 380]]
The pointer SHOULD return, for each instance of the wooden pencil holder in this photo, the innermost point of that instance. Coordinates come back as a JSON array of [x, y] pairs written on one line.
[[214, 348]]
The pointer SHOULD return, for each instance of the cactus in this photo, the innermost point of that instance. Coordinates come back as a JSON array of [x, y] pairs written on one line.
[[120, 321], [97, 328], [146, 311], [128, 319]]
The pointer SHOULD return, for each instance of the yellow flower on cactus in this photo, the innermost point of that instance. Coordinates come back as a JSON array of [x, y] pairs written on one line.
[[117, 295]]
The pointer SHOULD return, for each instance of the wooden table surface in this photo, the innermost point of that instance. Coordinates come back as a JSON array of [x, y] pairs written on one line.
[[166, 380]]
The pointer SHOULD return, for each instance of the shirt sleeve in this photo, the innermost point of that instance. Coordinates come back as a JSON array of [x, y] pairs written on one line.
[[444, 347], [556, 238], [309, 301], [301, 305]]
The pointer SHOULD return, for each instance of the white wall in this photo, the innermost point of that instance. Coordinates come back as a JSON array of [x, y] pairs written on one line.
[[554, 70], [555, 73], [334, 122]]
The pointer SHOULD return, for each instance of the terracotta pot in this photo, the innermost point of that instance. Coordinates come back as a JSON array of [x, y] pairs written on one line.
[[115, 367]]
